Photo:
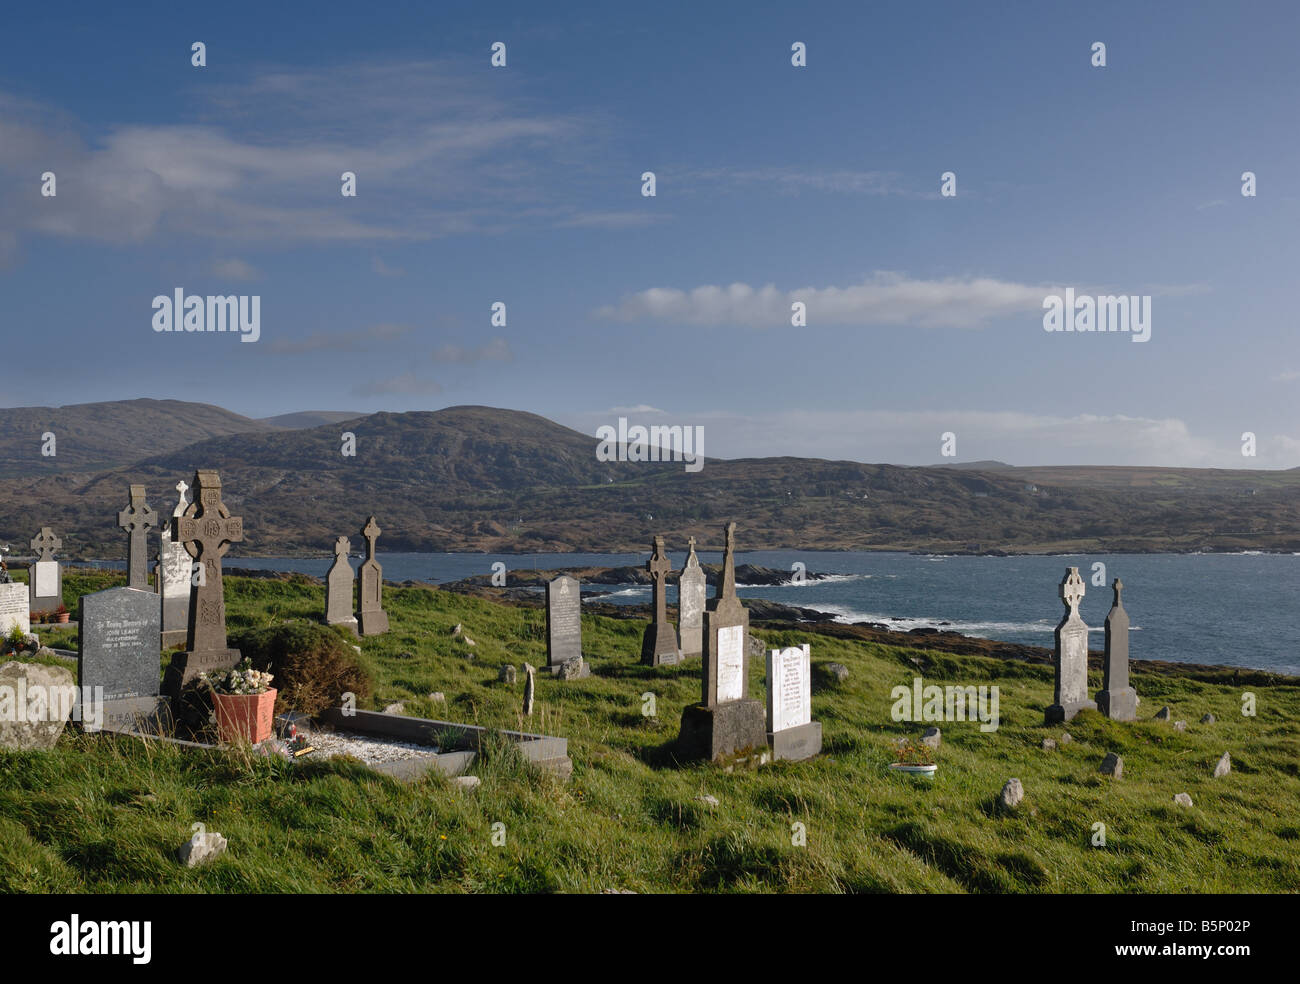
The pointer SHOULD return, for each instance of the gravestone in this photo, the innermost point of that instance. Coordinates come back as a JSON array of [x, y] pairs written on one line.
[[119, 634], [35, 703], [791, 731], [564, 629], [371, 617], [174, 578], [137, 519], [659, 643], [45, 576], [690, 605], [338, 588], [727, 720], [15, 608], [1116, 699], [1071, 656], [206, 530]]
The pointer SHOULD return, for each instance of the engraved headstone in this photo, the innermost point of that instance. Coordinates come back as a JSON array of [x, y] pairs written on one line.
[[791, 731], [371, 617], [726, 721], [174, 578], [690, 605], [119, 651], [45, 576], [137, 519], [1071, 656], [1116, 699], [206, 530], [659, 643], [564, 628], [15, 608], [338, 587]]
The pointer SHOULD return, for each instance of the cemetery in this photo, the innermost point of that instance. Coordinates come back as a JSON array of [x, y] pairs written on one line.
[[482, 746]]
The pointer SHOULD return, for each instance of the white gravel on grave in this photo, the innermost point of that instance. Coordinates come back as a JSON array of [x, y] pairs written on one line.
[[330, 743]]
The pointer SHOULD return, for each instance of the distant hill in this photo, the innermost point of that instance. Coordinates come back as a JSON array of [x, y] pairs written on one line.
[[483, 479], [309, 418], [94, 436], [988, 465]]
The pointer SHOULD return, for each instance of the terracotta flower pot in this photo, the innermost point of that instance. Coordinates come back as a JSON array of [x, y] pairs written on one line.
[[62, 616], [247, 717]]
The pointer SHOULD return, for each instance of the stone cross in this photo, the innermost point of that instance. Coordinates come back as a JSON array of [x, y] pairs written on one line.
[[181, 488], [46, 543], [137, 519], [1071, 654], [659, 644], [1116, 699], [207, 530], [371, 617]]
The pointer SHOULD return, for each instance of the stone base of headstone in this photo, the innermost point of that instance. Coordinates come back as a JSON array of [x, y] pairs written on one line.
[[1066, 712], [133, 715], [794, 744], [185, 668], [354, 625], [714, 733], [571, 669], [173, 638], [659, 646], [1118, 705], [372, 623]]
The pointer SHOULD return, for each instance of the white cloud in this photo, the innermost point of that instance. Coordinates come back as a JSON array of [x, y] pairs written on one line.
[[406, 384], [883, 298], [235, 269], [494, 350]]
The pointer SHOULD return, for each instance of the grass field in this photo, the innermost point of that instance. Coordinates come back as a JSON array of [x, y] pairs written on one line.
[[105, 813]]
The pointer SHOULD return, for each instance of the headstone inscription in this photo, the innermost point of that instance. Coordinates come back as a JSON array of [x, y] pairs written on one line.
[[206, 530], [564, 629], [690, 605], [791, 731], [1071, 656], [1116, 699], [726, 721], [137, 519], [338, 587], [371, 617], [174, 578], [45, 577], [120, 632], [659, 643], [15, 608]]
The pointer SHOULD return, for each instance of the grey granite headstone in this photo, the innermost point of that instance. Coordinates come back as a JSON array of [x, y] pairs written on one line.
[[791, 731], [174, 578], [726, 721], [371, 617], [206, 530], [659, 643], [15, 608], [137, 519], [119, 651], [338, 587], [1071, 656], [564, 626], [45, 576], [691, 586], [1116, 699]]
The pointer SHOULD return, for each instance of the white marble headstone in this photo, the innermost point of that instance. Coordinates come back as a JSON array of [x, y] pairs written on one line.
[[731, 662], [14, 608], [45, 576], [789, 688]]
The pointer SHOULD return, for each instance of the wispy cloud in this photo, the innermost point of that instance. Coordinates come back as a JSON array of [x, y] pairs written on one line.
[[384, 270], [235, 269], [796, 180], [406, 384], [338, 341], [494, 350]]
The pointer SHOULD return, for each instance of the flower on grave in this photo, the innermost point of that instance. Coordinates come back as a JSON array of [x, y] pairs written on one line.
[[243, 680]]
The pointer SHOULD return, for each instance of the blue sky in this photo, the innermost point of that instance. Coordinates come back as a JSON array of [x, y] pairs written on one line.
[[522, 184]]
